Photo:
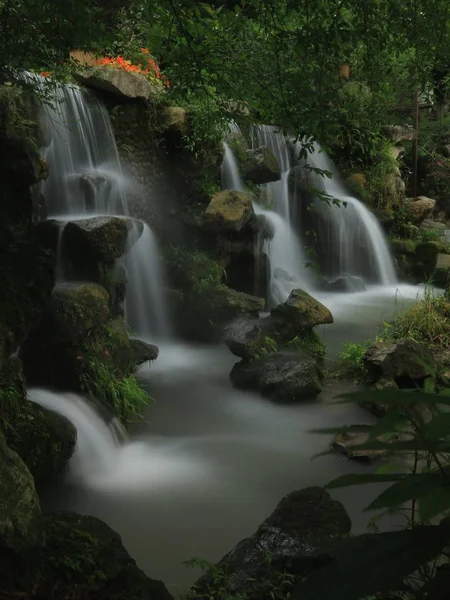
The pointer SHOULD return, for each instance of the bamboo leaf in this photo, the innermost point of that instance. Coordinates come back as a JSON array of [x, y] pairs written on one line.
[[393, 397], [358, 479], [409, 487], [436, 502], [438, 427]]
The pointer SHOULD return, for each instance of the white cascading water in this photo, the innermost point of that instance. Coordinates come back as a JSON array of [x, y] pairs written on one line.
[[86, 180], [101, 462], [350, 239]]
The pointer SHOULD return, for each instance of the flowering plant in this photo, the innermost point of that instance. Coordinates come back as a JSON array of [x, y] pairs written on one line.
[[148, 67]]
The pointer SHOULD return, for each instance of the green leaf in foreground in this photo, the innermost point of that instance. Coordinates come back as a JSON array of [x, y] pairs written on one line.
[[372, 563]]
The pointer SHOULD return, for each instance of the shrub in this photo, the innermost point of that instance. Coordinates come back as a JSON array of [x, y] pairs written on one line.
[[349, 362]]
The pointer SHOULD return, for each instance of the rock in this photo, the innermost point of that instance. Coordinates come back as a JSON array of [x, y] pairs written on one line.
[[293, 537], [44, 440], [81, 559], [300, 311], [343, 443], [441, 275], [102, 239], [228, 210], [261, 166], [403, 362], [245, 338], [420, 207], [118, 82], [142, 352], [399, 133], [26, 282], [433, 225], [238, 303], [346, 283], [74, 309], [19, 503], [403, 247], [175, 121], [396, 151], [283, 377]]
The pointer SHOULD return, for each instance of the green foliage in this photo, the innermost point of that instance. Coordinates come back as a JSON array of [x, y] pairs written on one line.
[[124, 394], [276, 586], [194, 269], [349, 362], [310, 342], [425, 321]]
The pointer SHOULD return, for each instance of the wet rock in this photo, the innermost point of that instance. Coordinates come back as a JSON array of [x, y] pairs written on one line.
[[19, 503], [74, 309], [441, 275], [300, 311], [228, 210], [420, 207], [399, 133], [345, 443], [436, 225], [261, 166], [143, 352], [101, 239], [175, 123], [404, 363], [245, 338], [283, 377], [119, 82], [346, 283], [293, 537], [403, 247], [238, 303]]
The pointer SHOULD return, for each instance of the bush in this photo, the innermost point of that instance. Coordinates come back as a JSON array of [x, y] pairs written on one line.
[[349, 362]]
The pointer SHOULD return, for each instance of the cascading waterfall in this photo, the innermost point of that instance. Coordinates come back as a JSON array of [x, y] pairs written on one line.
[[349, 240], [86, 180]]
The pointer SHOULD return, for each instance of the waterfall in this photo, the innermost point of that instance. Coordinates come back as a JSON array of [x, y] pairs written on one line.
[[86, 180], [102, 462], [348, 240]]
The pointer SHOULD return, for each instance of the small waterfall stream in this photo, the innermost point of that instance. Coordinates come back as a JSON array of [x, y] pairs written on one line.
[[348, 239], [86, 180]]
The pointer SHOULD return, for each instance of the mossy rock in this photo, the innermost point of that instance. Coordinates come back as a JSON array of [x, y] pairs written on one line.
[[228, 210], [44, 440], [13, 393], [175, 124], [26, 282], [261, 166], [441, 274], [19, 504], [75, 308], [80, 558], [245, 338], [300, 312], [310, 342], [403, 247]]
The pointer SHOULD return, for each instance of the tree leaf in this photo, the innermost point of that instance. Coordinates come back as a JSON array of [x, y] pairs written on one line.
[[438, 427], [409, 487], [436, 502], [372, 563], [358, 479], [393, 397]]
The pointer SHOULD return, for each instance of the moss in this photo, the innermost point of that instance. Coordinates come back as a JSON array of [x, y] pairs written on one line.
[[310, 342], [406, 247]]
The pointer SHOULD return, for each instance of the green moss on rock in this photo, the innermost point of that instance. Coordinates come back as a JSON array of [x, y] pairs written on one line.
[[228, 210], [441, 274], [300, 312]]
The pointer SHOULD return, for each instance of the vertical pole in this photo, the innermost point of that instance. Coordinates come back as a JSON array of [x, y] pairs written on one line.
[[415, 143]]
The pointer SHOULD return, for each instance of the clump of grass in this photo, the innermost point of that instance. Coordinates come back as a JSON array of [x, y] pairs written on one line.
[[427, 321], [350, 362]]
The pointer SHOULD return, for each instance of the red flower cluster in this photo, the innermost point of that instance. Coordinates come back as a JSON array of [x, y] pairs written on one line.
[[150, 70], [46, 73]]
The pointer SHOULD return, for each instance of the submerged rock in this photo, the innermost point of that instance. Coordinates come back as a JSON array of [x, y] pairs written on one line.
[[283, 377], [345, 443], [74, 309], [346, 283], [228, 210], [420, 207], [406, 363], [284, 548], [118, 82], [300, 311], [261, 166]]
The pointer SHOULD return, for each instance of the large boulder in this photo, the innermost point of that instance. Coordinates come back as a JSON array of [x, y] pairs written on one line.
[[300, 311], [399, 133], [81, 558], [117, 81], [345, 283], [261, 166], [441, 275], [142, 352], [406, 363], [283, 377], [245, 338], [228, 210], [420, 207], [19, 503], [292, 538], [74, 309]]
